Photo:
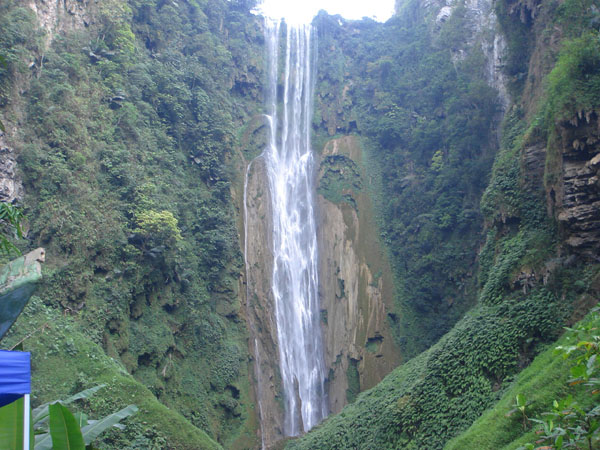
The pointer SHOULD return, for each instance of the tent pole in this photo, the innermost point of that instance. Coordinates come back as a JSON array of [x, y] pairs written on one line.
[[26, 423]]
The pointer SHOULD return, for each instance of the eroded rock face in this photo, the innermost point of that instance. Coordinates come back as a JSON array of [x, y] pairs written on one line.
[[11, 187], [355, 283], [355, 288], [260, 306], [534, 159], [577, 199], [60, 15], [481, 30]]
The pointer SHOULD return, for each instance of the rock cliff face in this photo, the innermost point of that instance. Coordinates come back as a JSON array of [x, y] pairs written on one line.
[[576, 196], [11, 186], [355, 280], [480, 28], [53, 16], [355, 287], [60, 15], [260, 307]]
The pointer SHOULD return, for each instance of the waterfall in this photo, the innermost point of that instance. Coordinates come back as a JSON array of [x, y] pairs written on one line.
[[290, 168]]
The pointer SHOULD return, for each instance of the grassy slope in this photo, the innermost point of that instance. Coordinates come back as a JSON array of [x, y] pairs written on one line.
[[87, 365], [541, 383]]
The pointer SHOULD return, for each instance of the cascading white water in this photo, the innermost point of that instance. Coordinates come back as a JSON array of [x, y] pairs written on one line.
[[289, 162]]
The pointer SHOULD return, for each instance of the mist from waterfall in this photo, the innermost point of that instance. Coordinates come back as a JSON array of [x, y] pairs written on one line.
[[290, 168]]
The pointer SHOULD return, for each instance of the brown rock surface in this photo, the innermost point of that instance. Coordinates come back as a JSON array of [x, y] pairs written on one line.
[[260, 308], [11, 187], [578, 192], [355, 288]]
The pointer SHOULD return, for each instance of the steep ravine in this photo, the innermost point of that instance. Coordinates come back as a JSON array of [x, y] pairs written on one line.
[[355, 288], [133, 134], [426, 92]]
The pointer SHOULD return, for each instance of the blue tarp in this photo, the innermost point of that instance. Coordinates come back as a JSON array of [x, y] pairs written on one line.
[[15, 375]]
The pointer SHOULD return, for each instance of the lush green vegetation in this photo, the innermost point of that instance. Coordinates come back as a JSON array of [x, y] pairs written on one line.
[[428, 124], [11, 218], [573, 423], [56, 427], [126, 132], [126, 129], [544, 381], [65, 359], [416, 405], [525, 292]]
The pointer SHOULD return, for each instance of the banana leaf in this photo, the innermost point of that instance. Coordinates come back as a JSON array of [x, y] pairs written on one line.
[[65, 432], [11, 426], [41, 412], [93, 430]]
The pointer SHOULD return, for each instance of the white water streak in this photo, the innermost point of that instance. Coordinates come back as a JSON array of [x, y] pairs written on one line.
[[290, 168]]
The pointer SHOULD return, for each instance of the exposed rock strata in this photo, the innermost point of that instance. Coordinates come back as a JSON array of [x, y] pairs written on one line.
[[533, 162], [577, 197]]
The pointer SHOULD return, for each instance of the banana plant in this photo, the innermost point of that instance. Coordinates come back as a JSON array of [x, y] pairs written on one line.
[[55, 426], [75, 432]]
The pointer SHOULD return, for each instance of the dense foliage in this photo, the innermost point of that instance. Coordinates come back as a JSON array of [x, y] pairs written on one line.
[[427, 117], [526, 292], [416, 406], [573, 424], [11, 218], [535, 388], [127, 125], [126, 129]]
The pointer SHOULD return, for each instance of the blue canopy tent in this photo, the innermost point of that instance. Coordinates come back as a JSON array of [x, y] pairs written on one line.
[[15, 382]]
